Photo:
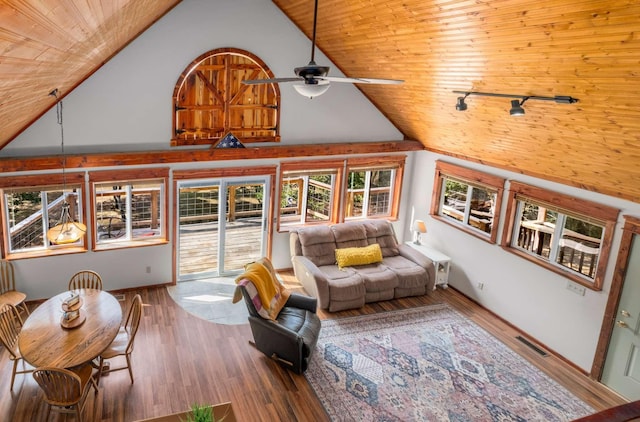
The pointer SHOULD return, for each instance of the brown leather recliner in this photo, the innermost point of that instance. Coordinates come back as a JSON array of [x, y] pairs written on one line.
[[292, 337]]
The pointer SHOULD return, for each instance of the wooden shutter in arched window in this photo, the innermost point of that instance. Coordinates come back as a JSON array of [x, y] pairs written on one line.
[[210, 101]]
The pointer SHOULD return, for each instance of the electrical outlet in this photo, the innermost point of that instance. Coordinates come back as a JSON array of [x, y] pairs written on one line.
[[480, 285], [576, 288], [148, 269]]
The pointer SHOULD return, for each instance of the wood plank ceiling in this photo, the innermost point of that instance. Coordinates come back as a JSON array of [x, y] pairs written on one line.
[[58, 44], [588, 49]]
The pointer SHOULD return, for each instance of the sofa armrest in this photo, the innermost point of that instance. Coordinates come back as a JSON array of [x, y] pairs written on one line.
[[312, 279], [420, 259], [272, 339], [297, 300]]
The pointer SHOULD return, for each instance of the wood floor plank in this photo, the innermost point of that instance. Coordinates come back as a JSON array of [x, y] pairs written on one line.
[[180, 359]]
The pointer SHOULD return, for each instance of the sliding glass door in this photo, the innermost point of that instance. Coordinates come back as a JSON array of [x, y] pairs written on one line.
[[221, 225]]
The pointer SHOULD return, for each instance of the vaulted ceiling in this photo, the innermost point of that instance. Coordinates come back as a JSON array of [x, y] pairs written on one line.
[[58, 44], [588, 49]]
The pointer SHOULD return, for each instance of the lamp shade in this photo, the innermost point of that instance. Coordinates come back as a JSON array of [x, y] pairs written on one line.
[[311, 90], [67, 230], [419, 226]]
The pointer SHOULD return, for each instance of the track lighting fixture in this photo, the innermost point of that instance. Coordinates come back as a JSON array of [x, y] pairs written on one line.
[[516, 105]]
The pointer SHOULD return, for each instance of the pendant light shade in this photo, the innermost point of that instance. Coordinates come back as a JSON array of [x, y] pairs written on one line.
[[67, 230]]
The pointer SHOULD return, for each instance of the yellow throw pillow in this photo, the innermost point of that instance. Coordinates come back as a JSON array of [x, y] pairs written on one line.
[[348, 257]]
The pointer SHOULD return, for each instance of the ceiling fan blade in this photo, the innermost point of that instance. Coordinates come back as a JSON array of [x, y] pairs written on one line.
[[341, 79], [362, 80], [270, 81], [382, 81]]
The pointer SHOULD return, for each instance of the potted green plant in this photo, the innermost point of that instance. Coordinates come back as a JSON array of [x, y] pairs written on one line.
[[201, 413]]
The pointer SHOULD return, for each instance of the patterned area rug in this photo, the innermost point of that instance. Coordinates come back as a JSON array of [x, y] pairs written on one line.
[[429, 364]]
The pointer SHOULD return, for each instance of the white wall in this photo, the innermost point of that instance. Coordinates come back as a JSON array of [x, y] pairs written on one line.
[[127, 106], [530, 297]]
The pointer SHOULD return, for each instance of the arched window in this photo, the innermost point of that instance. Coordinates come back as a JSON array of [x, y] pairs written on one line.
[[210, 102]]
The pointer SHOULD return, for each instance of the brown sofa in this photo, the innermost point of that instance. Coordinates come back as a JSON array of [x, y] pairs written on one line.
[[402, 272]]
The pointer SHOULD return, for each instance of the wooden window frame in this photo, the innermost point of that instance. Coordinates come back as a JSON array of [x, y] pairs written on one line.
[[41, 182], [567, 205], [123, 177], [474, 178], [302, 167], [395, 163]]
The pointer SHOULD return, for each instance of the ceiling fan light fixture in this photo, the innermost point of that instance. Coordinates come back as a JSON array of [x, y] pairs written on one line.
[[311, 90]]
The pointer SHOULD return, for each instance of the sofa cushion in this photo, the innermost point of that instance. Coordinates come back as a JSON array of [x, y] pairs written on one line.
[[318, 244], [378, 278], [344, 285], [409, 274], [348, 257], [381, 232], [350, 235]]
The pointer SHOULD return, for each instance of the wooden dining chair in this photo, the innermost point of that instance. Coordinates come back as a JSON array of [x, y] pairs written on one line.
[[66, 390], [85, 279], [122, 345], [8, 292], [10, 326]]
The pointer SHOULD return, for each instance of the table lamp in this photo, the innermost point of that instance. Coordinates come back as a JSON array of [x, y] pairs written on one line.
[[418, 228]]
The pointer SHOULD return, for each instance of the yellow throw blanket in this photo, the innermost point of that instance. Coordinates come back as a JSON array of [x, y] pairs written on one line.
[[272, 294]]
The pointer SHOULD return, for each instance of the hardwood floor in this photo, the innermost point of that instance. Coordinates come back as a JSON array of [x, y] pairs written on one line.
[[180, 359]]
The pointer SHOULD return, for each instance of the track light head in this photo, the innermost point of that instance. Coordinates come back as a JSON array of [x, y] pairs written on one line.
[[516, 108], [461, 105]]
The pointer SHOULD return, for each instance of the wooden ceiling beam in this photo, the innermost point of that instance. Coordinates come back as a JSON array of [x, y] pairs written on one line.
[[145, 158]]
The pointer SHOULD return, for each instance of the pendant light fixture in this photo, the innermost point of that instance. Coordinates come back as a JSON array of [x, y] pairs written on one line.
[[67, 230]]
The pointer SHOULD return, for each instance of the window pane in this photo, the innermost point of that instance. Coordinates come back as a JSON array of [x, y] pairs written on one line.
[[111, 213], [319, 197], [536, 229], [144, 201], [380, 192], [26, 214], [128, 211], [306, 197], [455, 199], [579, 247], [290, 206], [355, 194], [481, 209], [24, 211]]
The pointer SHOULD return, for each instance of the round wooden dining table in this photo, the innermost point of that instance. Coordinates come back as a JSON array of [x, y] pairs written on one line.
[[43, 341]]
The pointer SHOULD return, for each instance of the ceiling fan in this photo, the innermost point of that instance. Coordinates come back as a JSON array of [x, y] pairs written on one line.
[[313, 80]]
